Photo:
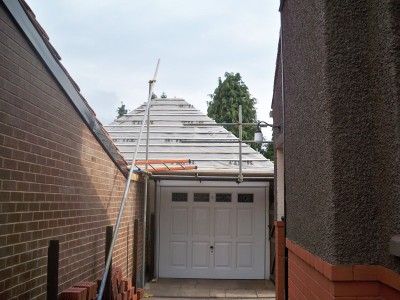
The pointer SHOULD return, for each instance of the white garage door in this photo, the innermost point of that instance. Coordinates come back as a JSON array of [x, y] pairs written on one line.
[[212, 232]]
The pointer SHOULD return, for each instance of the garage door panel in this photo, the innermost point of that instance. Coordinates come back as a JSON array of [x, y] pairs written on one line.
[[200, 254], [223, 255], [178, 253], [245, 255], [179, 221], [223, 222], [201, 221], [245, 222]]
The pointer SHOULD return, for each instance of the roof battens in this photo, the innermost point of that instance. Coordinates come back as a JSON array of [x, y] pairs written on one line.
[[179, 144], [133, 138], [180, 168], [221, 124], [223, 159], [152, 125], [165, 115], [166, 131], [182, 151], [224, 141], [210, 145], [164, 161]]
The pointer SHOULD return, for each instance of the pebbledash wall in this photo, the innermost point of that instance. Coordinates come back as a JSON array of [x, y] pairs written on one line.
[[57, 181], [341, 138]]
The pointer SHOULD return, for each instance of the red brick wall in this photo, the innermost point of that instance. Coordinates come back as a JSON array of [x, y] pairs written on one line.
[[57, 182], [312, 278]]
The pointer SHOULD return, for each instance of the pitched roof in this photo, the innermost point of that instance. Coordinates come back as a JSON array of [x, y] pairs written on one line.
[[35, 34], [179, 131]]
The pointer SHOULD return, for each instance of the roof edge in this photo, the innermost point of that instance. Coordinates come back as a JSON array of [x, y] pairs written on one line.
[[25, 19]]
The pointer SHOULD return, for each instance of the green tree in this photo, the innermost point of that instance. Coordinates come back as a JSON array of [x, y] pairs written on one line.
[[267, 150], [163, 95], [153, 96], [224, 106], [121, 110]]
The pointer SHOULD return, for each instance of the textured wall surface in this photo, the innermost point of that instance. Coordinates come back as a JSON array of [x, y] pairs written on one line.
[[56, 180], [342, 96], [363, 80], [310, 217]]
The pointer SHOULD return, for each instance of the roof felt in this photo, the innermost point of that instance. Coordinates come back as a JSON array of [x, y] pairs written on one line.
[[178, 131]]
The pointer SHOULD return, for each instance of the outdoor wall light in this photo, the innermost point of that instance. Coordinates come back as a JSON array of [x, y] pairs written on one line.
[[258, 136]]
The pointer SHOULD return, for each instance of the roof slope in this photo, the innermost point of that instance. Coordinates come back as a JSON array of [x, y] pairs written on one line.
[[175, 134], [35, 34]]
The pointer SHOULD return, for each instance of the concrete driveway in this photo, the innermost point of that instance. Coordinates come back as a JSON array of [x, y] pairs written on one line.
[[209, 289]]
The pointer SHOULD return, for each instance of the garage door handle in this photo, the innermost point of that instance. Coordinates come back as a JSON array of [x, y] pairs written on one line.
[[212, 248]]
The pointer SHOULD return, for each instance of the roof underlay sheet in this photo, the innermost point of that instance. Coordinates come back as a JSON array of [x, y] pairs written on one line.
[[178, 131]]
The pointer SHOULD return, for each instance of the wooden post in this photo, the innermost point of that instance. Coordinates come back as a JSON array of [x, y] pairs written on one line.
[[52, 269], [108, 286]]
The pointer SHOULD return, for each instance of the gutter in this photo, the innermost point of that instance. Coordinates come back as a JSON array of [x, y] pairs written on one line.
[[208, 178]]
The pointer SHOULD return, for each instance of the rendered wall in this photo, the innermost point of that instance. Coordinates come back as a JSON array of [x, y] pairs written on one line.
[[341, 139], [57, 182], [307, 151]]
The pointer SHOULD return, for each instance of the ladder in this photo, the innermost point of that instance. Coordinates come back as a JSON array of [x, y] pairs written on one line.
[[165, 165]]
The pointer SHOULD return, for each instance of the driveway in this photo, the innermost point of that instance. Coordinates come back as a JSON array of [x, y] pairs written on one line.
[[209, 289]]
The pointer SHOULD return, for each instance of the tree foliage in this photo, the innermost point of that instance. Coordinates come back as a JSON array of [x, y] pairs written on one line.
[[224, 106], [267, 150], [153, 96], [121, 110], [163, 95]]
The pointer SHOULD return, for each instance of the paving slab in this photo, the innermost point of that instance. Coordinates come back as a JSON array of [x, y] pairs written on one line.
[[196, 292], [217, 293], [164, 291], [189, 289], [242, 293], [265, 293]]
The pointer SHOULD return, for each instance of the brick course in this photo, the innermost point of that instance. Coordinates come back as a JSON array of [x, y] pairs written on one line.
[[56, 181], [312, 278]]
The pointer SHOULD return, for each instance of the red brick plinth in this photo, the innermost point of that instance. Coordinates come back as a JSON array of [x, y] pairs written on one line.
[[312, 278]]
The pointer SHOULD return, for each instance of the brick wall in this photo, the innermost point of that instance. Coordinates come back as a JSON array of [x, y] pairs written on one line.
[[57, 182], [310, 278], [279, 260]]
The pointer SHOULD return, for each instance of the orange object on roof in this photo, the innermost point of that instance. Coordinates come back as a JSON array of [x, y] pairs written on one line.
[[175, 165], [163, 161], [172, 168]]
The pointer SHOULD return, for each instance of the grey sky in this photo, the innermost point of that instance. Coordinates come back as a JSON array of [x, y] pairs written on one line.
[[111, 48]]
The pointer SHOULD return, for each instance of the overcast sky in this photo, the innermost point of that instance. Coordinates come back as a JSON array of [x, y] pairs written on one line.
[[111, 48]]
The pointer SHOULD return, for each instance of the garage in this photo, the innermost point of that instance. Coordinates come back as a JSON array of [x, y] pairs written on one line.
[[212, 230], [208, 217]]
